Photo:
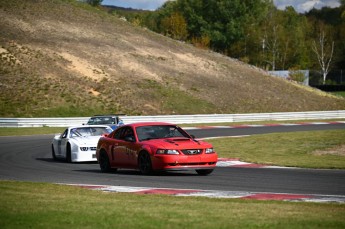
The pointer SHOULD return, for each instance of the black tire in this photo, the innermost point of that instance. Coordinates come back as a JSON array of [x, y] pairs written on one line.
[[204, 172], [104, 163], [144, 163], [53, 153], [68, 154]]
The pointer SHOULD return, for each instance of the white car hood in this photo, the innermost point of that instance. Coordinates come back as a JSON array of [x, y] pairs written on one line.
[[87, 140]]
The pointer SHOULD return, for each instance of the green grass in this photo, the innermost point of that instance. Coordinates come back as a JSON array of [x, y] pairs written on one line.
[[339, 93], [260, 122], [173, 100], [295, 149], [11, 131], [38, 205]]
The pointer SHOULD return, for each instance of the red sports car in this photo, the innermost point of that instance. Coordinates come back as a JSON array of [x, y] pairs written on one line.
[[154, 146]]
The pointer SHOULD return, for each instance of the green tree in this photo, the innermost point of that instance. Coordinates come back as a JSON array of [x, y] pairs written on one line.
[[294, 49], [223, 21], [272, 39], [252, 30], [94, 2]]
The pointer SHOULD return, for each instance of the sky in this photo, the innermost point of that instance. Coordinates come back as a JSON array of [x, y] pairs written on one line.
[[300, 6]]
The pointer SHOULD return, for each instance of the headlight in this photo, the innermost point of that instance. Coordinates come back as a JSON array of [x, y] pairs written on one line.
[[209, 150], [84, 148], [167, 151]]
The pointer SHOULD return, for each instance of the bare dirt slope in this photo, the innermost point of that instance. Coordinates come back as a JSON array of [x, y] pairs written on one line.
[[63, 58]]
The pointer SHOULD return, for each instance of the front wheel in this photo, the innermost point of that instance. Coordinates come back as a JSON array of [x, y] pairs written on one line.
[[68, 153], [145, 165], [204, 172], [53, 153]]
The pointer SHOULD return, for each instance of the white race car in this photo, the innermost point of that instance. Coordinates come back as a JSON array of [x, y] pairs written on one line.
[[78, 143]]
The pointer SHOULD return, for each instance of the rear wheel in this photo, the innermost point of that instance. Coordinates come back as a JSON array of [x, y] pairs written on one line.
[[145, 165], [204, 172], [104, 163]]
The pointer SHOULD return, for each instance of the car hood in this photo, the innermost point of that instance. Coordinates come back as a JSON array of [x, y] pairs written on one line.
[[86, 140], [179, 143]]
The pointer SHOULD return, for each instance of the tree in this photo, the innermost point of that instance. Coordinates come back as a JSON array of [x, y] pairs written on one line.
[[293, 40], [175, 26], [324, 53], [256, 32], [272, 39], [224, 22], [94, 2]]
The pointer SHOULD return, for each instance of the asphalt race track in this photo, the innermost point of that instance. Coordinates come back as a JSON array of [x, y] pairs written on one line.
[[28, 158]]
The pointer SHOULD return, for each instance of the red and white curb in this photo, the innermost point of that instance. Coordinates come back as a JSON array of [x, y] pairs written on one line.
[[218, 194], [235, 162], [263, 125]]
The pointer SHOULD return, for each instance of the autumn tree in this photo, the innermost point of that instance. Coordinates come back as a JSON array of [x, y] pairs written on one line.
[[175, 26]]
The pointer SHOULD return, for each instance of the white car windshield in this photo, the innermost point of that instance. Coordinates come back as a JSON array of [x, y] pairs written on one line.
[[101, 121], [89, 131]]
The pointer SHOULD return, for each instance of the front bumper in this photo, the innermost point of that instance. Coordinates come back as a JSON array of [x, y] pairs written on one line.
[[183, 162], [84, 156]]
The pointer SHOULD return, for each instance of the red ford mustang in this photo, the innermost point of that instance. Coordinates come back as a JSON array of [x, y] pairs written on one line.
[[154, 146]]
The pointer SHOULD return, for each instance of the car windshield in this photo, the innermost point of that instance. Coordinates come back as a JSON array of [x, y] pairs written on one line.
[[89, 131], [159, 131], [101, 120]]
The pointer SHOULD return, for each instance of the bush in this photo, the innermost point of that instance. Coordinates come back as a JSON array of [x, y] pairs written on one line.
[[297, 76]]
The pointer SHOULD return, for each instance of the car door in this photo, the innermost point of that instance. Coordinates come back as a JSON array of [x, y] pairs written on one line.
[[117, 148], [61, 144], [130, 148]]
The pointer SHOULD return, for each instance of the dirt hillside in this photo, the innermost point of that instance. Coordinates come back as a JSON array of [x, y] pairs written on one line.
[[64, 58]]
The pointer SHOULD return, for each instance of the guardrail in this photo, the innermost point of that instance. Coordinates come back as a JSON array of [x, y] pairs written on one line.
[[179, 119]]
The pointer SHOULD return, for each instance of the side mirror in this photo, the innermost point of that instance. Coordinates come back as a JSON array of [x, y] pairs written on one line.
[[57, 135], [129, 139], [192, 136], [105, 135]]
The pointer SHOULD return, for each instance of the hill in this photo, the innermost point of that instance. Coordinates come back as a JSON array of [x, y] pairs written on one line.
[[65, 58]]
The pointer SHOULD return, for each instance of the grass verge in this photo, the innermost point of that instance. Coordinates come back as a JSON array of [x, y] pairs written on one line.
[[15, 131], [309, 149], [339, 93], [39, 205], [12, 131], [261, 122]]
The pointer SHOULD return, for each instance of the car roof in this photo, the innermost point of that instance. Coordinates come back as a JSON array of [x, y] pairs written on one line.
[[83, 126], [107, 115], [137, 124]]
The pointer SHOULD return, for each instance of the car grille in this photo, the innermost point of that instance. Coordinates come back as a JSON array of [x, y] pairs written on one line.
[[193, 164], [192, 151], [93, 148]]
